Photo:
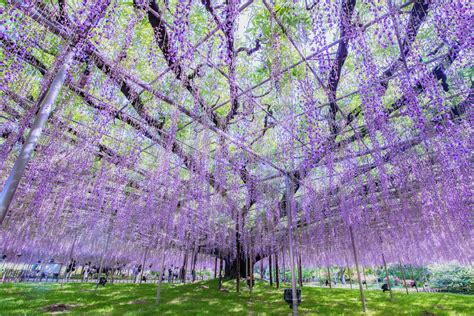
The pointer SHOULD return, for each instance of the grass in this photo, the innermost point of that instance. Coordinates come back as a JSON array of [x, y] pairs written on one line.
[[196, 299]]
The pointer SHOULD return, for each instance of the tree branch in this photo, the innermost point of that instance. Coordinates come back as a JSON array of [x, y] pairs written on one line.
[[163, 39]]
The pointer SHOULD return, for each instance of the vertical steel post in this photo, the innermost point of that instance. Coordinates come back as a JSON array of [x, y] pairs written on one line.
[[45, 106], [103, 256], [160, 279], [277, 271], [413, 278], [215, 268], [289, 208], [143, 265], [270, 270], [220, 272], [388, 279], [404, 277], [365, 279], [361, 289], [329, 277]]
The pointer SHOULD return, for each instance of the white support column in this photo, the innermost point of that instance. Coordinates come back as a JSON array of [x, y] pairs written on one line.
[[361, 289], [46, 105], [160, 279], [289, 210]]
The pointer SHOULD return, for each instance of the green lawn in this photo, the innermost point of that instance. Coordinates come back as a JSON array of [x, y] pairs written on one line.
[[196, 299]]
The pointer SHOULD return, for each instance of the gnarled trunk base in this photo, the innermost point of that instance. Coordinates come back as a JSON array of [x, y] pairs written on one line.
[[230, 271]]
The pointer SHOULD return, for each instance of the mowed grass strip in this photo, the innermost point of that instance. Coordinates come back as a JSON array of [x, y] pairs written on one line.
[[203, 298]]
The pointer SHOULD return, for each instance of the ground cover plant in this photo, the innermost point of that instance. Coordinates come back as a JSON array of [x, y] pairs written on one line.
[[203, 298]]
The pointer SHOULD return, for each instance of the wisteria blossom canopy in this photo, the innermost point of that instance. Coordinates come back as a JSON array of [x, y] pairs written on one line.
[[192, 126]]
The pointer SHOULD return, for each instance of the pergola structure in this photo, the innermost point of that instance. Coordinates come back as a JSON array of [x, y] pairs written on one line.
[[198, 127]]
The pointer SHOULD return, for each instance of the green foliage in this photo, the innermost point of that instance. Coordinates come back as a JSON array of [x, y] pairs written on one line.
[[467, 73], [396, 271], [453, 278], [204, 298]]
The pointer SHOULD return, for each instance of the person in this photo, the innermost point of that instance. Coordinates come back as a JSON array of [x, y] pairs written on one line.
[[36, 268], [136, 271], [170, 274], [124, 271], [396, 281], [139, 271], [327, 282], [117, 269], [86, 271], [176, 273], [70, 268], [3, 268], [102, 281], [385, 287]]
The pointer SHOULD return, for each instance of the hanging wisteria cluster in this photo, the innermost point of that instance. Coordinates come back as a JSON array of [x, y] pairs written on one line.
[[179, 123]]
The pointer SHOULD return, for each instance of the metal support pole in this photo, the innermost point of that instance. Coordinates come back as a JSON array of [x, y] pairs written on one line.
[[413, 278], [404, 277], [69, 263], [300, 271], [160, 279], [365, 279], [102, 257], [237, 245], [183, 269], [220, 272], [247, 269], [45, 106], [388, 279], [143, 265], [289, 208], [215, 268], [270, 270], [251, 270], [350, 275], [329, 278], [193, 264], [361, 289], [277, 272]]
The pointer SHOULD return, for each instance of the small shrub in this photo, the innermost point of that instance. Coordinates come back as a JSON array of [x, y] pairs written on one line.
[[452, 278]]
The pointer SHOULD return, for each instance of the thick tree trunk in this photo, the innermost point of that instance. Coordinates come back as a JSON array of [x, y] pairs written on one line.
[[230, 271], [300, 271], [193, 271], [183, 268], [215, 268], [220, 272], [277, 272], [270, 272]]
